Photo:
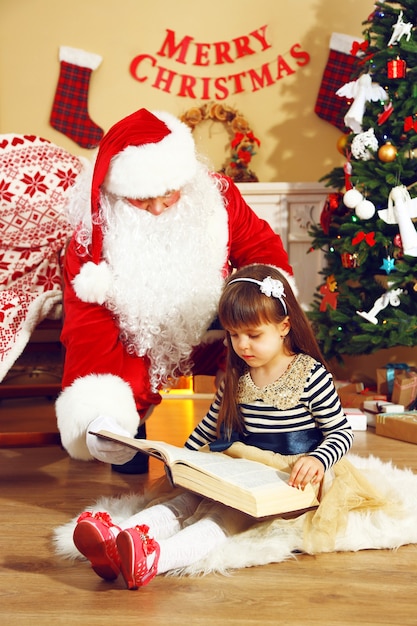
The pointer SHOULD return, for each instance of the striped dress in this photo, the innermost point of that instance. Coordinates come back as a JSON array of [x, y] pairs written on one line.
[[303, 398]]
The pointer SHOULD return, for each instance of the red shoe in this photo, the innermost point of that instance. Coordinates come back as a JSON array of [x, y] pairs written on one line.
[[94, 539], [134, 545]]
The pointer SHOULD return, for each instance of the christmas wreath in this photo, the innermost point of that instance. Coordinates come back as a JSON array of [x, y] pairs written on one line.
[[242, 140]]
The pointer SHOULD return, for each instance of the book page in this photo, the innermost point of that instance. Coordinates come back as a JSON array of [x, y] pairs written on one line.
[[160, 449], [252, 487], [248, 474], [242, 474]]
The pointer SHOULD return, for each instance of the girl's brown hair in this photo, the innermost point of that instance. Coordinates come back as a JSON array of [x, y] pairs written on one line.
[[242, 304]]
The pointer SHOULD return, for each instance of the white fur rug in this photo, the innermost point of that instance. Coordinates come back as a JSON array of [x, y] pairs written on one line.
[[277, 540]]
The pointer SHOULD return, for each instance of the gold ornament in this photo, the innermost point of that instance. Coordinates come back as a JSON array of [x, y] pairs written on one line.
[[341, 144], [387, 152]]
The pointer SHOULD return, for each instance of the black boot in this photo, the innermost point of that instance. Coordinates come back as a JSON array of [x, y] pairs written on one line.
[[140, 462]]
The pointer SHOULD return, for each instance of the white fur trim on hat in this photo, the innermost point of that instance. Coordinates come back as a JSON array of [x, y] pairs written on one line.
[[93, 282], [87, 398], [291, 281], [153, 169]]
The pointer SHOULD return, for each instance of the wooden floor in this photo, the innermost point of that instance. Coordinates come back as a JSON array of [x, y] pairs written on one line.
[[42, 488]]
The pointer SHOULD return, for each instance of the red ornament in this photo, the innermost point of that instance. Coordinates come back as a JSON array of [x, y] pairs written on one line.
[[330, 206], [329, 293], [396, 68], [349, 260], [388, 110], [410, 123], [397, 241], [359, 47], [361, 236]]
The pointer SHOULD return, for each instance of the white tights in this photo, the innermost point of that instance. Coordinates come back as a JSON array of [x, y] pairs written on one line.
[[179, 546], [164, 520], [190, 544]]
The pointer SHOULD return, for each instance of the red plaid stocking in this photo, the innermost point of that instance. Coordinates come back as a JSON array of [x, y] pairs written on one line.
[[70, 109], [338, 71]]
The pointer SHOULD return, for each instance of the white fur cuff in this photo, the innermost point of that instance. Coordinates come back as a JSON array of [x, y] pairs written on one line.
[[76, 56], [342, 43], [87, 398]]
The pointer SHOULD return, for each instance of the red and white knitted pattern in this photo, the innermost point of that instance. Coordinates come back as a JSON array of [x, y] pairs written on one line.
[[35, 176]]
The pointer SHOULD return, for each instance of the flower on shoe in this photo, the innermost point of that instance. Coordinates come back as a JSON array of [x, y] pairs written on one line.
[[149, 544], [102, 516]]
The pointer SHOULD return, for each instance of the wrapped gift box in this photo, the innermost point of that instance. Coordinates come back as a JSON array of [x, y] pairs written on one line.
[[405, 388], [356, 418], [354, 395], [386, 376], [402, 426], [373, 407], [379, 406]]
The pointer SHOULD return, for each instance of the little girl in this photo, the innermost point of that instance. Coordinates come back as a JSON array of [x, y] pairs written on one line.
[[277, 396]]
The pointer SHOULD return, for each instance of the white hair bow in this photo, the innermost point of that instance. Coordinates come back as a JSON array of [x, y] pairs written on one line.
[[268, 286]]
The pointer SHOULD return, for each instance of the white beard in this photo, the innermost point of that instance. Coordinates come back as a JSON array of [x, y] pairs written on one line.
[[168, 274]]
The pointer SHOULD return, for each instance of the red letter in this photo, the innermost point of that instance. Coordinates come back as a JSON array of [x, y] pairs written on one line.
[[238, 82], [222, 88], [202, 54], [222, 52], [260, 36], [172, 48], [187, 84], [135, 64], [299, 54], [161, 79], [242, 47], [283, 66], [265, 76], [206, 91]]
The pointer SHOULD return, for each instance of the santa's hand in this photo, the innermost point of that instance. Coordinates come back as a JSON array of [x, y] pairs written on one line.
[[108, 451]]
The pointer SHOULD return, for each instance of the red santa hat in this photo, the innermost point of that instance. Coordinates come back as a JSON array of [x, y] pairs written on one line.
[[144, 155]]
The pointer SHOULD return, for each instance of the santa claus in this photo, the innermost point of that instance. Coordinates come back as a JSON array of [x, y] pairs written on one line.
[[155, 235]]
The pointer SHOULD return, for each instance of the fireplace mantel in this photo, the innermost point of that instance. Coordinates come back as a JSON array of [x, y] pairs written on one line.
[[290, 209]]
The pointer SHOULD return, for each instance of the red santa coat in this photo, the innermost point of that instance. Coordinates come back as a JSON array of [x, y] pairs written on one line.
[[100, 376]]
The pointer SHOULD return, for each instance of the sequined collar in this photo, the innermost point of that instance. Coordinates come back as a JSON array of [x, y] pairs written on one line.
[[283, 393]]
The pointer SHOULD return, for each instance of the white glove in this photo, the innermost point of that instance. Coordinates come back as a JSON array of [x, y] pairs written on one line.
[[108, 451]]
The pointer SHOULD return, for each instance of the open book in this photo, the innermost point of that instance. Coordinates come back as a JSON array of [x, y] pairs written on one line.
[[249, 486]]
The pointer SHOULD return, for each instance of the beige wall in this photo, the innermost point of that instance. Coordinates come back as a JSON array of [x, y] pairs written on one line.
[[295, 144]]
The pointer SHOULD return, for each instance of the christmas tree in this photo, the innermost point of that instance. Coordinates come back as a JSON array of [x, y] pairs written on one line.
[[368, 298]]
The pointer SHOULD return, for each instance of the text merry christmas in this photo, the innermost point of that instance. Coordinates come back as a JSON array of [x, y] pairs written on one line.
[[186, 51]]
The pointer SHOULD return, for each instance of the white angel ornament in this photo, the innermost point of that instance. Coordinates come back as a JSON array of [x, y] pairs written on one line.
[[391, 297], [400, 29], [401, 209], [362, 90]]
